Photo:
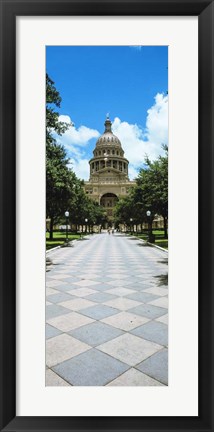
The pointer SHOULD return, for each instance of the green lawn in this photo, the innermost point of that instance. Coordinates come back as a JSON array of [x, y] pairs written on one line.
[[59, 239], [159, 238]]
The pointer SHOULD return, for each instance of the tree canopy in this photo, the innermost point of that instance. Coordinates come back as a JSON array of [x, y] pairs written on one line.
[[64, 191], [150, 193]]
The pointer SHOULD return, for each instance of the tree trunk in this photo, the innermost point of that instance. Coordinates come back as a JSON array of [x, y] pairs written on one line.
[[165, 228], [51, 229]]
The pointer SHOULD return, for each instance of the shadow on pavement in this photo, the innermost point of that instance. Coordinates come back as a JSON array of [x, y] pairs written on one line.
[[164, 261], [162, 279]]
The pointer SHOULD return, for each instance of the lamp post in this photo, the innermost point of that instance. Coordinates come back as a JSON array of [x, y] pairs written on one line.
[[86, 220], [131, 224], [150, 236], [67, 216]]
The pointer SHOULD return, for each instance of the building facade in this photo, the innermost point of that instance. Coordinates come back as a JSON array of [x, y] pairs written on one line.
[[108, 171]]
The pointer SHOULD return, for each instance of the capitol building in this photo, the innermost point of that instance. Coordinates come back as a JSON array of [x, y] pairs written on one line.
[[108, 171]]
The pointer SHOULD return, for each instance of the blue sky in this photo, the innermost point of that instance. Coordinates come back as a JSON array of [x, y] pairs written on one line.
[[130, 83]]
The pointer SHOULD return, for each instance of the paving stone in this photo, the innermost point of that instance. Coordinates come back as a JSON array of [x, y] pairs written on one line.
[[69, 321], [153, 331], [85, 282], [121, 292], [102, 287], [148, 311], [50, 291], [96, 333], [161, 302], [99, 311], [77, 304], [52, 379], [60, 276], [158, 291], [82, 292], [54, 283], [55, 310], [65, 288], [142, 296], [129, 349], [99, 270], [138, 286], [163, 319], [122, 303], [125, 321], [102, 279], [60, 297], [101, 297], [120, 282], [135, 378], [73, 279], [51, 331], [92, 368], [156, 366], [63, 347]]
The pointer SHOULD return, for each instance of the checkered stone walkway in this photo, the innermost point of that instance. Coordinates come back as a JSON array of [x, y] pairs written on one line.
[[107, 313]]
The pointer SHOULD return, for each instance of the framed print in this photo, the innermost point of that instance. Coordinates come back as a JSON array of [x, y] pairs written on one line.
[[97, 373]]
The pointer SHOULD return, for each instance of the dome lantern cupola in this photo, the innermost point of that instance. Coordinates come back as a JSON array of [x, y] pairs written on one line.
[[108, 124]]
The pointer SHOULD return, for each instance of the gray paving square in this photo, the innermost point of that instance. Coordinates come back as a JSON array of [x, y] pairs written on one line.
[[60, 297], [138, 286], [101, 297], [100, 287], [148, 311], [142, 296], [156, 366], [153, 331], [51, 331], [65, 288], [92, 368], [72, 279], [96, 333], [53, 311], [99, 311]]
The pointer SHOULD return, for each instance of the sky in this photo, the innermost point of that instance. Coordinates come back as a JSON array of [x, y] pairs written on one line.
[[130, 83]]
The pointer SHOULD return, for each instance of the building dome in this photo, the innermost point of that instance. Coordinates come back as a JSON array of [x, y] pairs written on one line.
[[108, 138], [108, 172]]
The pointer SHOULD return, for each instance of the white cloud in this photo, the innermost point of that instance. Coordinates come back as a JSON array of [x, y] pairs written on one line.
[[80, 167], [77, 137], [136, 142], [75, 140]]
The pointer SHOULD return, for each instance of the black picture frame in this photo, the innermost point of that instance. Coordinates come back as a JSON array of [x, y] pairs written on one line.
[[204, 9]]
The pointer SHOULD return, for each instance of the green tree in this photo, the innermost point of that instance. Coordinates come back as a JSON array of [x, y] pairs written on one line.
[[152, 188], [59, 178]]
